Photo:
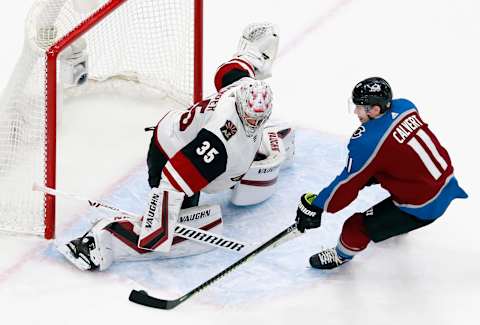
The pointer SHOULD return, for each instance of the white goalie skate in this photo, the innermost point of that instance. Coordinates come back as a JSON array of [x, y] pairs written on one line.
[[85, 253]]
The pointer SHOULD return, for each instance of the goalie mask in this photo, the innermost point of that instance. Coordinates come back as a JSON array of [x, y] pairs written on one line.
[[253, 101]]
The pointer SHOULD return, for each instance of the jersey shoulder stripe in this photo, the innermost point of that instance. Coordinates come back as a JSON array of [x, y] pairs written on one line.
[[241, 67], [436, 206], [198, 163]]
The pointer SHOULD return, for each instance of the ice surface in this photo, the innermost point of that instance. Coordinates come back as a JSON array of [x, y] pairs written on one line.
[[429, 52], [273, 272]]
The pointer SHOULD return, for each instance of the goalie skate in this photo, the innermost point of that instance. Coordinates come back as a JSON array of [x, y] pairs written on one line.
[[82, 252]]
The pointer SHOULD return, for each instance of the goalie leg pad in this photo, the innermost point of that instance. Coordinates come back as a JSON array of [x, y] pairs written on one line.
[[259, 183], [124, 235], [206, 217], [160, 218], [115, 239]]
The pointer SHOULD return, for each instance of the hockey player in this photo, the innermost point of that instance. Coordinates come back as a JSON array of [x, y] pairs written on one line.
[[395, 148], [208, 147]]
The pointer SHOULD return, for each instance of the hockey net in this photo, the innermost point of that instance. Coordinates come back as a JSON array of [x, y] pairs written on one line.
[[139, 45]]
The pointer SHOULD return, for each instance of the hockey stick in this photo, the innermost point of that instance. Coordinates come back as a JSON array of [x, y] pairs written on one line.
[[143, 298], [181, 230]]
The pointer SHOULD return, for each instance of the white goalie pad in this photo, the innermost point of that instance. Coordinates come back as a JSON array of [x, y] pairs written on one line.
[[122, 233], [160, 218], [276, 151], [206, 217]]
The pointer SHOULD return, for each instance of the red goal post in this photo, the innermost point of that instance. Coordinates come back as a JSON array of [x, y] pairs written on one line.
[[139, 37]]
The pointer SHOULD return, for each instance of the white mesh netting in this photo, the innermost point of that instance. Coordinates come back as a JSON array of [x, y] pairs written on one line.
[[144, 45]]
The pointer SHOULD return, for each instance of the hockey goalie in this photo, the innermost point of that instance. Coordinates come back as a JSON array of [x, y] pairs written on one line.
[[218, 144]]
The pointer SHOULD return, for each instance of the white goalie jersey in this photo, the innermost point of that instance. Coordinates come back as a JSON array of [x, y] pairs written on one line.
[[204, 148], [210, 147]]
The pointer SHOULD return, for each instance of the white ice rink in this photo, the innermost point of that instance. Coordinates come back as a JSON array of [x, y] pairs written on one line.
[[429, 51]]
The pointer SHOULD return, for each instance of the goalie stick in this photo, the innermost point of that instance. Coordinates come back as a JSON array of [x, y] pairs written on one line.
[[181, 230], [143, 298]]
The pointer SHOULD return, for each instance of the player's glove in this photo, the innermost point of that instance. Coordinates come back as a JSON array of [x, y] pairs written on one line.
[[259, 46], [308, 215]]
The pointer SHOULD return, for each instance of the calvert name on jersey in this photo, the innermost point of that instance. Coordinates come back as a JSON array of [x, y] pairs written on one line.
[[398, 151]]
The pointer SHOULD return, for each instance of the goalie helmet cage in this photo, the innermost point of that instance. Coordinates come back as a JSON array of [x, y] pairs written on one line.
[[149, 44]]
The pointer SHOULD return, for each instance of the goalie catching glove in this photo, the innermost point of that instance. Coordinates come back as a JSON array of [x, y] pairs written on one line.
[[308, 215], [259, 46]]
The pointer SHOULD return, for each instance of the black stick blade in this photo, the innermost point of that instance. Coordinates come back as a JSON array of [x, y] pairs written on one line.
[[141, 297]]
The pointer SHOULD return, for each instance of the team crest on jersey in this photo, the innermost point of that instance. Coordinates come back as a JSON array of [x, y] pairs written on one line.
[[358, 132], [228, 130]]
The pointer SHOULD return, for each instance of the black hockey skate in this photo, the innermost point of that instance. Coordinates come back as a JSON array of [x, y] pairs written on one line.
[[81, 252], [327, 259]]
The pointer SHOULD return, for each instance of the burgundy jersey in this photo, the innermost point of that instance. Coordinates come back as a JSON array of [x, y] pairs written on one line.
[[400, 152]]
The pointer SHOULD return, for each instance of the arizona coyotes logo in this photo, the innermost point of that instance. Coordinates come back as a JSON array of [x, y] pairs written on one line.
[[228, 130]]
